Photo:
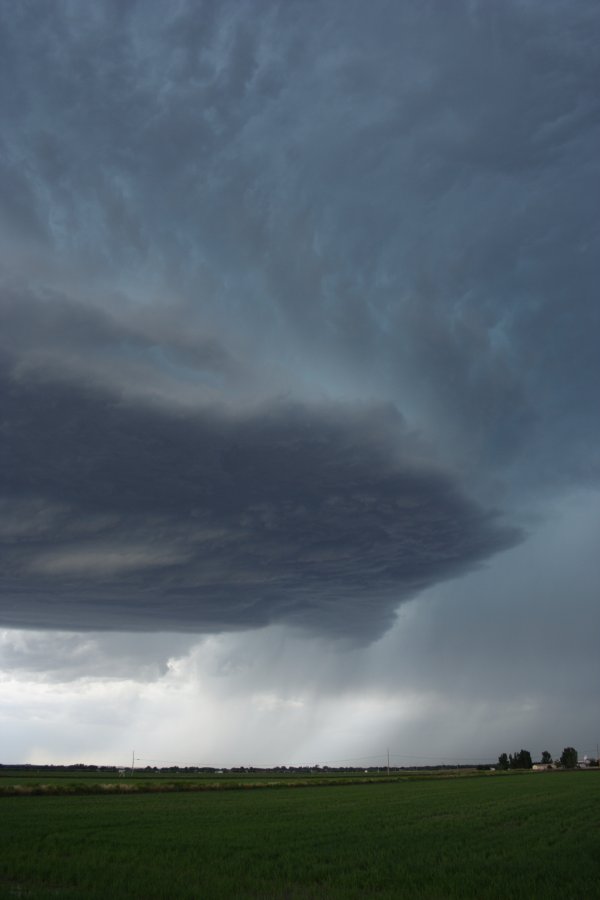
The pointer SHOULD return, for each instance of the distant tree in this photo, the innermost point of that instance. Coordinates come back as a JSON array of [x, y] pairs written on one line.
[[569, 758], [546, 757], [520, 760], [526, 760], [503, 761]]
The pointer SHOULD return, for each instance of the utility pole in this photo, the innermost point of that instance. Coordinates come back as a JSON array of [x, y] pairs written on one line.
[[388, 761], [132, 762]]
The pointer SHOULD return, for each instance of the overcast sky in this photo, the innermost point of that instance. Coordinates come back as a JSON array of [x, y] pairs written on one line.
[[299, 367]]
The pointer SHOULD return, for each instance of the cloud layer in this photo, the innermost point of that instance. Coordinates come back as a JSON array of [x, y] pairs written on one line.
[[293, 298], [128, 516], [462, 675]]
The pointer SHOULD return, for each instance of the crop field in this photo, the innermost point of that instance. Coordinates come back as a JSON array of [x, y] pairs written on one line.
[[524, 836]]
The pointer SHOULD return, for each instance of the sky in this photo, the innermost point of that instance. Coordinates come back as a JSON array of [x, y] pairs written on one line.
[[299, 367]]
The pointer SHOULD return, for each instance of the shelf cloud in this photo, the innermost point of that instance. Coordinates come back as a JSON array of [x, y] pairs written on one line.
[[126, 515]]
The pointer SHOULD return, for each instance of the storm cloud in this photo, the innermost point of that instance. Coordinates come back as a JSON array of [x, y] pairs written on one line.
[[299, 327]]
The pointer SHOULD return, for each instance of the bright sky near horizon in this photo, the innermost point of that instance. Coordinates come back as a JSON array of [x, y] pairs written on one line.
[[299, 367]]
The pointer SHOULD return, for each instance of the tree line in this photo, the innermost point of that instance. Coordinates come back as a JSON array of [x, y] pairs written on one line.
[[522, 760]]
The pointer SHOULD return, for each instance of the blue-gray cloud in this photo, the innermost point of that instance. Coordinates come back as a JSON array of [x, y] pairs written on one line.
[[397, 205], [370, 215]]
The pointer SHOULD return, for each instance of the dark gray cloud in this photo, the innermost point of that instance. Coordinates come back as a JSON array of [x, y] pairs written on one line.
[[125, 515], [366, 213]]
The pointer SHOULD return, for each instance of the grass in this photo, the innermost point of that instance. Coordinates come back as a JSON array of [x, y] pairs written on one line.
[[14, 782], [532, 836]]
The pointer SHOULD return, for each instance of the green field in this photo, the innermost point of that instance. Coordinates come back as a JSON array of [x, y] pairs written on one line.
[[526, 836]]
